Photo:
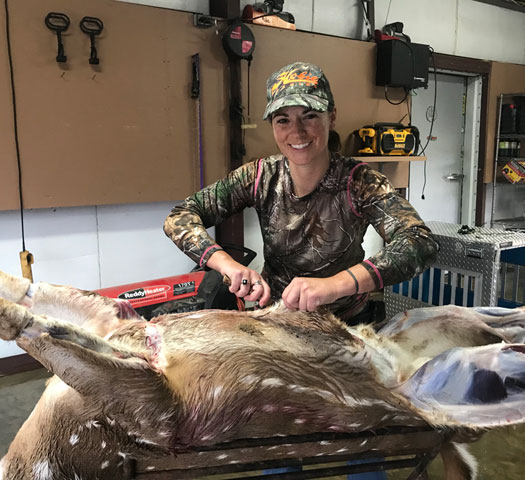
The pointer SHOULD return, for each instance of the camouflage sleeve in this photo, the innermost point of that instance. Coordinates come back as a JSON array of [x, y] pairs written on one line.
[[410, 247], [187, 223]]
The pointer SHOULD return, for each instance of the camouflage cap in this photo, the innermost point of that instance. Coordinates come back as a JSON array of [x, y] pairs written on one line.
[[298, 84]]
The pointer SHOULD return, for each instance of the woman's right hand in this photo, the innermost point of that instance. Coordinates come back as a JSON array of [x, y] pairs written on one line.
[[244, 282]]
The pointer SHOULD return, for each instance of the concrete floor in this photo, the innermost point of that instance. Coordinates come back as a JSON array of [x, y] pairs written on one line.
[[18, 396]]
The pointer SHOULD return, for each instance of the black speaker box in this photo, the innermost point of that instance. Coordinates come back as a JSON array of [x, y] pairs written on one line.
[[402, 64]]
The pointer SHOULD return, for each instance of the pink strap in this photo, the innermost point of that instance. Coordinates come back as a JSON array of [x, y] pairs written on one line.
[[206, 251], [348, 188], [259, 172], [376, 272]]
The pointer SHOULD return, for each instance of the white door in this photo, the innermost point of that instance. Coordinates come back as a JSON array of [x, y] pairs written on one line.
[[444, 166]]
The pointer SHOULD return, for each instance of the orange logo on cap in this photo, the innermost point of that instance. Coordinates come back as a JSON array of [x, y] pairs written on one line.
[[291, 76]]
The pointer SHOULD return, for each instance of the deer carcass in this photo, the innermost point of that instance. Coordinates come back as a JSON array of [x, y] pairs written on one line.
[[127, 387]]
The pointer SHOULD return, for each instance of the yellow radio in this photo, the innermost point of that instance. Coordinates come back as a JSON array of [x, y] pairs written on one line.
[[388, 139]]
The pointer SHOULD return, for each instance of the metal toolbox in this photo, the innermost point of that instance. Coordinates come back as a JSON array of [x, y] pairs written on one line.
[[485, 267]]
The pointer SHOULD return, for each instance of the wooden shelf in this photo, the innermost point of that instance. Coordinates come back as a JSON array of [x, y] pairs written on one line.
[[390, 158]]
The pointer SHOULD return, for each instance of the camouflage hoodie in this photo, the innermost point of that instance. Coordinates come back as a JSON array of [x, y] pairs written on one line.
[[317, 235]]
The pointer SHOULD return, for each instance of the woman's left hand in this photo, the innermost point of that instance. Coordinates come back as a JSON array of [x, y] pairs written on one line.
[[306, 293]]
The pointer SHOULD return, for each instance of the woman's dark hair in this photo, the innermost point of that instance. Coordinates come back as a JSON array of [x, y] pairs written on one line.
[[334, 141]]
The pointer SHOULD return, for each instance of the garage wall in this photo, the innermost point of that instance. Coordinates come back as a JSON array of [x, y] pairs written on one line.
[[123, 131], [98, 246], [455, 27]]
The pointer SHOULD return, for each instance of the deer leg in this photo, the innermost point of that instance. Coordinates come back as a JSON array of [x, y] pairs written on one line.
[[92, 311], [120, 380], [20, 324]]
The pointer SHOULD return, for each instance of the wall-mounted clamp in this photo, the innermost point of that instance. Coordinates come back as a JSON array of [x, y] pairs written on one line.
[[58, 22], [203, 21], [92, 26]]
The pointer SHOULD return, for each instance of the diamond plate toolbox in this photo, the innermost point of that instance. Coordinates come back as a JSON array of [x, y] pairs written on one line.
[[474, 267]]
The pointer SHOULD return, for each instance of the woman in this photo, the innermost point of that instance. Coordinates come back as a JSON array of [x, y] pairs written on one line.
[[314, 207]]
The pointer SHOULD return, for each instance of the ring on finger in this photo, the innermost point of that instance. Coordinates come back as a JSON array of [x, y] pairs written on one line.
[[258, 282]]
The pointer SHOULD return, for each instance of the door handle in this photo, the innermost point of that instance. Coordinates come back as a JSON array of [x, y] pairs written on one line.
[[454, 177]]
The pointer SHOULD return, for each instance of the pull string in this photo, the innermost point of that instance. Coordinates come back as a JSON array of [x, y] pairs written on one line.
[[247, 118], [249, 65], [15, 123]]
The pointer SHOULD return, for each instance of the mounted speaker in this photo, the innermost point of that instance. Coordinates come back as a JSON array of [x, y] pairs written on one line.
[[402, 64]]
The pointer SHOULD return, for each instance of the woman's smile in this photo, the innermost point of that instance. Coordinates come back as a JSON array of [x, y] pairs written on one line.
[[302, 134], [302, 146]]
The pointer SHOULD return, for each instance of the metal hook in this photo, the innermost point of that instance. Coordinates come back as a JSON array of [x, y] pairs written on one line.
[[92, 26], [58, 23]]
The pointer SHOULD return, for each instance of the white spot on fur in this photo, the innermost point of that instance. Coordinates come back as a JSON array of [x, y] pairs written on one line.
[[222, 456], [103, 444], [269, 408], [271, 382], [249, 379], [93, 423], [144, 441], [166, 415], [73, 439], [249, 410], [123, 455], [299, 420], [110, 421], [363, 442], [105, 464], [325, 442], [150, 467], [42, 471], [341, 450], [322, 393]]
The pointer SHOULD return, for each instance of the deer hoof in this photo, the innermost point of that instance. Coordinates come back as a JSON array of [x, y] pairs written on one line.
[[13, 319]]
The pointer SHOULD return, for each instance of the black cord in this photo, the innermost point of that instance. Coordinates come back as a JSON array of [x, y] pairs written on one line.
[[407, 90], [431, 125], [409, 110], [15, 123]]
